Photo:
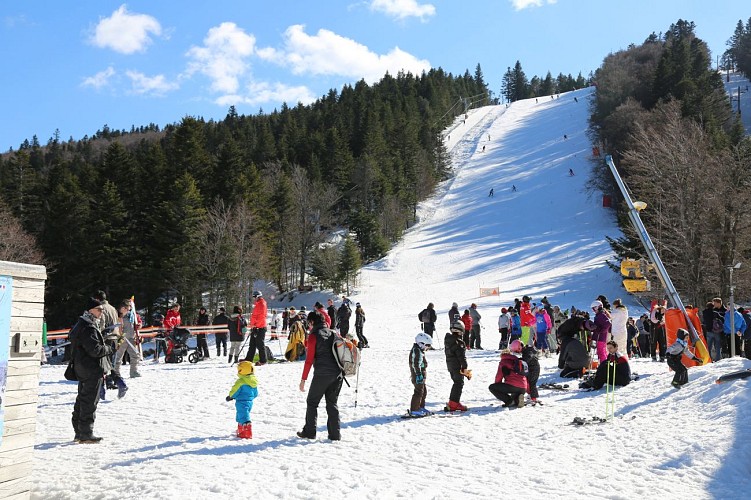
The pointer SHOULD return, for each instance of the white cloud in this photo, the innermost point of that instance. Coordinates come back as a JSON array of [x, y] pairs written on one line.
[[151, 85], [100, 79], [402, 9], [223, 57], [126, 32], [327, 53], [523, 4], [262, 92]]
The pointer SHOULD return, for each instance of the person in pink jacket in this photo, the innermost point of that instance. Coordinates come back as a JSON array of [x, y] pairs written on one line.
[[601, 333], [511, 379], [257, 330]]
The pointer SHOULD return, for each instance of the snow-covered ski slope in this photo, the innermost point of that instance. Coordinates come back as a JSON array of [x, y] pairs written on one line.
[[545, 238], [171, 436], [733, 83]]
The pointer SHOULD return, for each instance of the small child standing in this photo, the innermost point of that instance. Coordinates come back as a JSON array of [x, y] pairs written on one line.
[[674, 354], [418, 367], [244, 391], [529, 356]]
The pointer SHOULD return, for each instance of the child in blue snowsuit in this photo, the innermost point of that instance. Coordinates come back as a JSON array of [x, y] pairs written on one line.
[[244, 391]]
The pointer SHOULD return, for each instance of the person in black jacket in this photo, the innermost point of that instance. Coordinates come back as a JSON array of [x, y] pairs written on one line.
[[220, 336], [529, 356], [359, 325], [203, 319], [454, 313], [236, 326], [91, 362], [427, 319], [327, 378], [331, 311], [343, 314], [573, 357], [456, 362]]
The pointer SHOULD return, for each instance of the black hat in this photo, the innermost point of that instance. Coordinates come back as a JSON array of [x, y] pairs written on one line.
[[681, 334], [93, 304]]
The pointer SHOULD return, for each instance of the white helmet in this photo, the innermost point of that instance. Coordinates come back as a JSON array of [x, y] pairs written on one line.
[[423, 338], [595, 305]]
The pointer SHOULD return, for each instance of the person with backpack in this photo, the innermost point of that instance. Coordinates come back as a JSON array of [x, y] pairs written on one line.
[[220, 337], [504, 323], [257, 330], [454, 313], [510, 384], [243, 392], [427, 319], [418, 367], [674, 358], [359, 324], [327, 378], [236, 325], [474, 334], [343, 314], [456, 362]]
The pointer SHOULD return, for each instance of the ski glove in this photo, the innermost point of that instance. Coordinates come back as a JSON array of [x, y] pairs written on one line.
[[229, 398], [419, 379]]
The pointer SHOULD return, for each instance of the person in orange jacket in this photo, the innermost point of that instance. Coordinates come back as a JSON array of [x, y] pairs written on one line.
[[257, 330]]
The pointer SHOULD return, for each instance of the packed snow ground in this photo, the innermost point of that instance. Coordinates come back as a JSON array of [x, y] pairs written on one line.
[[171, 436]]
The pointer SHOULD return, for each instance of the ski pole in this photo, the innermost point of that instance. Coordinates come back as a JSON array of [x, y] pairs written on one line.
[[357, 379], [239, 352]]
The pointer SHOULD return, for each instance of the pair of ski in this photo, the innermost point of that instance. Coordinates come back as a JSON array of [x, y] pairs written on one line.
[[476, 411], [588, 421], [554, 387]]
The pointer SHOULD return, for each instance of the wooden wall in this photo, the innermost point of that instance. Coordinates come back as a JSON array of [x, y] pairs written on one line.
[[17, 447]]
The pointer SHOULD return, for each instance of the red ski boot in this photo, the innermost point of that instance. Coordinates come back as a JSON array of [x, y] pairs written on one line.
[[247, 431], [456, 406]]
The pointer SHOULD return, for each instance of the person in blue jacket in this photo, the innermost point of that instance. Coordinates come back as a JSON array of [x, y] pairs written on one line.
[[516, 325], [244, 391], [740, 327]]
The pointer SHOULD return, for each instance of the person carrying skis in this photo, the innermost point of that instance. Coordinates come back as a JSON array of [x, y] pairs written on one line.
[[244, 391], [511, 379], [418, 367], [674, 358], [456, 362]]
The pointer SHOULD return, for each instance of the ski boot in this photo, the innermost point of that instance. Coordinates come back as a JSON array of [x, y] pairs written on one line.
[[455, 406]]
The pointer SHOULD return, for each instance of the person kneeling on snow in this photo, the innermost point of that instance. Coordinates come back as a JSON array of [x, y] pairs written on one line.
[[614, 370], [674, 354], [456, 362], [511, 379], [574, 357], [418, 367], [244, 391]]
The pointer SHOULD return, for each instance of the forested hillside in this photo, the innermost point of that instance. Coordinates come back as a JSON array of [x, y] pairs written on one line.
[[662, 112], [209, 206]]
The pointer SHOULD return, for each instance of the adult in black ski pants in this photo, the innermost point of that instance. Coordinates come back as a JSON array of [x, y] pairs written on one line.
[[327, 379], [257, 341]]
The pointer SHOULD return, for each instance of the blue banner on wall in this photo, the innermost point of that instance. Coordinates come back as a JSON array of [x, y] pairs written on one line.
[[6, 296]]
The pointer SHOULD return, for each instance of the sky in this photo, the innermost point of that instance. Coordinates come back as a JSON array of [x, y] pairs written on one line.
[[77, 66]]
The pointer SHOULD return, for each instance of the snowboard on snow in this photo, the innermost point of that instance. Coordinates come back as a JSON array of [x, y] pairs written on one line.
[[729, 377]]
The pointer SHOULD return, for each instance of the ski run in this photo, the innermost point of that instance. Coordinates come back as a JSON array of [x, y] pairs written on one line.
[[540, 234]]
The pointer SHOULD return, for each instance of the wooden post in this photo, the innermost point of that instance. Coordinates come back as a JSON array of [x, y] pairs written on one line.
[[19, 405]]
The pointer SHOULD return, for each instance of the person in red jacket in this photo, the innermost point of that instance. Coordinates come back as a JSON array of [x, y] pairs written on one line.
[[171, 321], [467, 320], [326, 316], [257, 330], [511, 379], [528, 321]]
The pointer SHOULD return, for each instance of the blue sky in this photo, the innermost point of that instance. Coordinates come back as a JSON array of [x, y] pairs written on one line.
[[76, 66]]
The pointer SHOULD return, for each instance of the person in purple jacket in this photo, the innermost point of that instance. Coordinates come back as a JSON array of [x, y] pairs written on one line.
[[601, 331]]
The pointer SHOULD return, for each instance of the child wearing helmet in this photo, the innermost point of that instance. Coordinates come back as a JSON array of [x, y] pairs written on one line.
[[418, 367], [674, 358], [244, 391], [511, 379], [601, 332], [456, 362]]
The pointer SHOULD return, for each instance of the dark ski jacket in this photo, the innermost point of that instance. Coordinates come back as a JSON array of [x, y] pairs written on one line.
[[573, 354], [91, 354], [359, 317], [622, 371], [529, 356], [453, 312], [320, 353], [236, 325], [428, 326], [418, 363], [453, 346], [331, 311], [220, 319], [203, 320], [343, 314]]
